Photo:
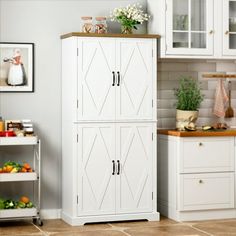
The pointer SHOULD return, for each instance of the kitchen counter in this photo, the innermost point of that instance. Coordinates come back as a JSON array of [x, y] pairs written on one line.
[[198, 133]]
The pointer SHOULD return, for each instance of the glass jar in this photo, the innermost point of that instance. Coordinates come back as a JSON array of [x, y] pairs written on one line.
[[86, 24], [101, 25]]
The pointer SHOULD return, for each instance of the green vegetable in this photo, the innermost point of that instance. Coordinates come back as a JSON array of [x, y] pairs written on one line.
[[21, 205], [2, 204], [10, 204], [29, 205]]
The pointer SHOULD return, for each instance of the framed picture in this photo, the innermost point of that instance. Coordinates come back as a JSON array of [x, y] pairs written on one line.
[[16, 67]]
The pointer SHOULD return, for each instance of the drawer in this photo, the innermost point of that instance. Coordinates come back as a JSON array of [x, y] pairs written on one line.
[[206, 191], [210, 154]]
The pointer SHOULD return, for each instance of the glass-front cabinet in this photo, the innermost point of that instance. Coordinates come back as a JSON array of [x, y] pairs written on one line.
[[229, 27], [189, 27]]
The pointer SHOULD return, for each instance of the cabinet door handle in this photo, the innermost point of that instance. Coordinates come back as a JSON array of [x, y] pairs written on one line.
[[113, 78], [200, 181], [226, 32], [200, 144], [118, 169], [113, 167], [211, 32], [118, 83]]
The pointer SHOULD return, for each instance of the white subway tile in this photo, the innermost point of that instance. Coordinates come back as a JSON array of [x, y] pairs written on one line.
[[172, 66], [201, 67], [166, 94], [226, 66], [178, 75], [162, 75]]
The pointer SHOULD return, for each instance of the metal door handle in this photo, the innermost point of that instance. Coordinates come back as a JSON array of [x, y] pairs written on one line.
[[118, 83], [118, 169], [226, 32], [113, 78], [113, 167]]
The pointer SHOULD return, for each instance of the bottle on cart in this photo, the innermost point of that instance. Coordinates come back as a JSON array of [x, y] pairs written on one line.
[[2, 125]]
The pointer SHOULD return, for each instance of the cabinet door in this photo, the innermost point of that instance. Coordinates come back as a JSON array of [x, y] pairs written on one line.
[[96, 95], [229, 27], [135, 65], [134, 180], [96, 184], [189, 27]]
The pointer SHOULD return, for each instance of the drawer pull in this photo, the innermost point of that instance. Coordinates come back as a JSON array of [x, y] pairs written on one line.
[[200, 181], [200, 144]]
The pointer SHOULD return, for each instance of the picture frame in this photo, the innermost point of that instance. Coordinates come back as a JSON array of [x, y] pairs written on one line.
[[16, 67]]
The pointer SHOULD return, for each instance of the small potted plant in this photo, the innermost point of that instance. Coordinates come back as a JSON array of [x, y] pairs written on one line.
[[189, 98]]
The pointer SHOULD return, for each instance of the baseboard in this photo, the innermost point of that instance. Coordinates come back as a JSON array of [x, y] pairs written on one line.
[[50, 214]]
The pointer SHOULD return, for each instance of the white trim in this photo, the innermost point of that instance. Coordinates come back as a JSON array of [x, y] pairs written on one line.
[[47, 214], [75, 221]]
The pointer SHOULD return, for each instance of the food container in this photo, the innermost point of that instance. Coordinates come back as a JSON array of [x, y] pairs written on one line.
[[101, 25], [86, 24]]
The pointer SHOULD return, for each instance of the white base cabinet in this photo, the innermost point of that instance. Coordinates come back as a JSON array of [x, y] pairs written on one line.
[[108, 129], [196, 177]]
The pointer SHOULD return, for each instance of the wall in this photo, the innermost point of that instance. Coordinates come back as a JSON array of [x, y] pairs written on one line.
[[42, 22], [169, 72]]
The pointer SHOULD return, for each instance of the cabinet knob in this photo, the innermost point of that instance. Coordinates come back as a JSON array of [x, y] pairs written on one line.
[[200, 181], [226, 32], [211, 32], [200, 144]]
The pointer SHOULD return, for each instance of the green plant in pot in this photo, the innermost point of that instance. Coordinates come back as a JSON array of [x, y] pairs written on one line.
[[189, 99]]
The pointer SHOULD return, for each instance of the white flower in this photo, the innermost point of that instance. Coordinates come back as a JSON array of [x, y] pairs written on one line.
[[131, 13]]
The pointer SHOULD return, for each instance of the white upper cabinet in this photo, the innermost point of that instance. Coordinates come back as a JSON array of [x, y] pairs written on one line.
[[194, 28], [115, 79], [229, 28], [189, 27]]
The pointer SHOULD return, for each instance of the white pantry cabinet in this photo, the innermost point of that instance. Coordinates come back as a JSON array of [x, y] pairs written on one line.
[[196, 177], [108, 128], [194, 28]]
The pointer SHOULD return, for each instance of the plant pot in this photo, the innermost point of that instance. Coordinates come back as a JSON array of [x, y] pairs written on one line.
[[184, 118]]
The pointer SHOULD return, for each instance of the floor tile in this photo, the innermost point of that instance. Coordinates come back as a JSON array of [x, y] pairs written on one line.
[[91, 233], [17, 228], [217, 228], [60, 226], [175, 230]]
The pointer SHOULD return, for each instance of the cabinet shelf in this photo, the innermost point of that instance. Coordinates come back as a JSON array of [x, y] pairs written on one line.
[[16, 213], [16, 177], [7, 141]]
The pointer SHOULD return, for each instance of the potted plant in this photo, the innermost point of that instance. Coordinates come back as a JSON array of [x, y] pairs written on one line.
[[189, 98]]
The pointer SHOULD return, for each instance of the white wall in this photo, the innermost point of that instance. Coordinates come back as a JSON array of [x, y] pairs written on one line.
[[42, 22]]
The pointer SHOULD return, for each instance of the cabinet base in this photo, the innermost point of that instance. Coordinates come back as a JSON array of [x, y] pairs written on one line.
[[75, 221], [173, 214]]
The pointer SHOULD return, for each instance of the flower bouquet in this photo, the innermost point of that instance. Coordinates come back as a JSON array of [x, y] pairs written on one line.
[[129, 17]]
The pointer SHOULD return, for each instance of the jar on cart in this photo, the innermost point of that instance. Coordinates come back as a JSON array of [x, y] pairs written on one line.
[[86, 24], [101, 25]]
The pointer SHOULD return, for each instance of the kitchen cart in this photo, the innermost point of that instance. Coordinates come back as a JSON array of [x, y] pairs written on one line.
[[34, 177]]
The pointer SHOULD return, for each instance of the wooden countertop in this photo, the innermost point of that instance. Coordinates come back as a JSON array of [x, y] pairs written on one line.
[[79, 34], [198, 133]]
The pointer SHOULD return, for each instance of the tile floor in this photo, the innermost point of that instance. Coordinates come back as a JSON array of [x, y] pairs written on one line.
[[165, 227]]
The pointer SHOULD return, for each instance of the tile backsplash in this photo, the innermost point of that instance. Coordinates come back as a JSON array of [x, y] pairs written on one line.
[[169, 72]]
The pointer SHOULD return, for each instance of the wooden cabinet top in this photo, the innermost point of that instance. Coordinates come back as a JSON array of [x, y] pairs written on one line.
[[79, 34], [199, 133]]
